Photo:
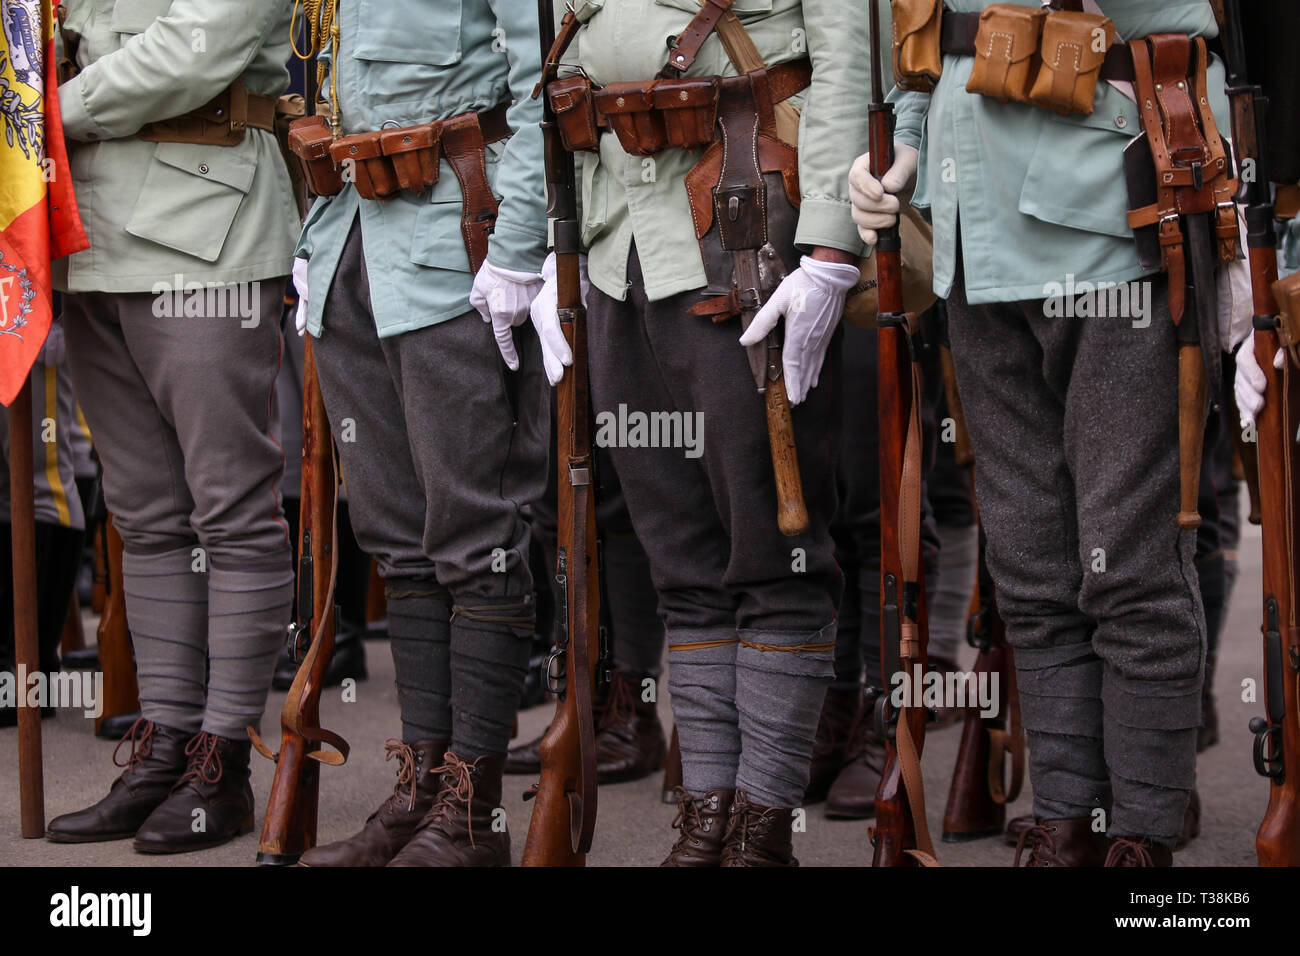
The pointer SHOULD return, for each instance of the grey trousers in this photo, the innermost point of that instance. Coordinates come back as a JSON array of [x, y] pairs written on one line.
[[439, 450], [1075, 430]]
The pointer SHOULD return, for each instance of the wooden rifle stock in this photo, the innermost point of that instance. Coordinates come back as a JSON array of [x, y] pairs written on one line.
[[289, 829], [113, 637], [1277, 734], [563, 819], [978, 796], [901, 834]]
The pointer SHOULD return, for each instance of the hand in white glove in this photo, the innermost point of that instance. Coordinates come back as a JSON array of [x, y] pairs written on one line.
[[812, 300], [1250, 383], [546, 319], [502, 297], [300, 286], [875, 205]]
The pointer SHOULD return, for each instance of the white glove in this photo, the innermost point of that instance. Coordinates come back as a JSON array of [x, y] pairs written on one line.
[[502, 297], [875, 205], [812, 300], [1250, 382], [55, 349], [300, 286], [546, 319]]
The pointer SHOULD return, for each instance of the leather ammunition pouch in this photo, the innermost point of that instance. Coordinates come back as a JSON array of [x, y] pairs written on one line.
[[222, 121], [1053, 58], [654, 115], [1287, 294], [916, 30], [382, 163], [1191, 168]]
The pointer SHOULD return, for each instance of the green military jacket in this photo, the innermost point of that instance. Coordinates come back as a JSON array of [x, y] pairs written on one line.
[[402, 62], [643, 199], [157, 210], [1040, 196]]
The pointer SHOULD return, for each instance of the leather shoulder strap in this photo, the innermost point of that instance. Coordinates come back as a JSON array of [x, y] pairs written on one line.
[[689, 41]]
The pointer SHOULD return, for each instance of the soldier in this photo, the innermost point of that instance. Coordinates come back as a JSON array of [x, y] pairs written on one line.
[[1074, 425], [748, 613], [172, 320], [441, 443]]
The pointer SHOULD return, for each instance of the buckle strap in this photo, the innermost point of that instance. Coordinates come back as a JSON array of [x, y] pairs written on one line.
[[688, 43]]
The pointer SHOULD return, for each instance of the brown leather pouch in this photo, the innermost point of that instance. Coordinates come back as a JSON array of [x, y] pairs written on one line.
[[1070, 55], [575, 113], [689, 109], [1287, 293], [413, 152], [310, 139], [917, 60], [362, 160], [1006, 52], [629, 110]]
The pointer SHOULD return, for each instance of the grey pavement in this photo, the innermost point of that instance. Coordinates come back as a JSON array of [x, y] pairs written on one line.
[[633, 824]]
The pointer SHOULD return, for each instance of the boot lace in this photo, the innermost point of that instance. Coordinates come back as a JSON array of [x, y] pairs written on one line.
[[407, 770], [688, 818], [748, 818], [1129, 852], [457, 789], [620, 706], [141, 737], [205, 760], [1041, 843]]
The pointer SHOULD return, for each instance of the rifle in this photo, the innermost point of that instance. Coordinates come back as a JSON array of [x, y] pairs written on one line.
[[1277, 734], [901, 835], [564, 816], [978, 798], [289, 830]]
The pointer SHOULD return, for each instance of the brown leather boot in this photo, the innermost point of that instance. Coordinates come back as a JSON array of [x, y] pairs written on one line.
[[525, 758], [1138, 851], [703, 826], [211, 804], [838, 712], [630, 742], [853, 794], [458, 829], [1015, 827], [156, 761], [757, 835], [390, 827], [1065, 842]]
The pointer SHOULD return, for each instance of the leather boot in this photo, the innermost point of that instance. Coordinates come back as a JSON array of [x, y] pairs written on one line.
[[838, 711], [703, 826], [216, 782], [458, 829], [630, 742], [390, 827], [1138, 851], [1065, 842], [1191, 821], [757, 835], [853, 794], [1015, 827], [156, 761], [525, 758]]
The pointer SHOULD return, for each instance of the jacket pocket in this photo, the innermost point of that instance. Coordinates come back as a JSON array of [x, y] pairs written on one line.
[[136, 16], [433, 39], [1075, 176], [436, 241], [190, 196], [595, 197]]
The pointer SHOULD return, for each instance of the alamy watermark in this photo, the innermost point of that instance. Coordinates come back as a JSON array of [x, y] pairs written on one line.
[[636, 429], [75, 690], [956, 689], [1099, 300], [213, 300]]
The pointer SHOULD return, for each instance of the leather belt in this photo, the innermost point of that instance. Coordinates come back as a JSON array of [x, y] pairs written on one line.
[[222, 121], [957, 38]]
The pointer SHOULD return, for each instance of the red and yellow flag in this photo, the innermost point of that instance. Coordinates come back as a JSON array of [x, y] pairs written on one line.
[[38, 207]]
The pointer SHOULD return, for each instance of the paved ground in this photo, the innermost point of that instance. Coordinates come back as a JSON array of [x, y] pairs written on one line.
[[633, 827]]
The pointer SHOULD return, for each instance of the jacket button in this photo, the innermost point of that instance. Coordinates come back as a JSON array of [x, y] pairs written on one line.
[[203, 168], [1121, 121]]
